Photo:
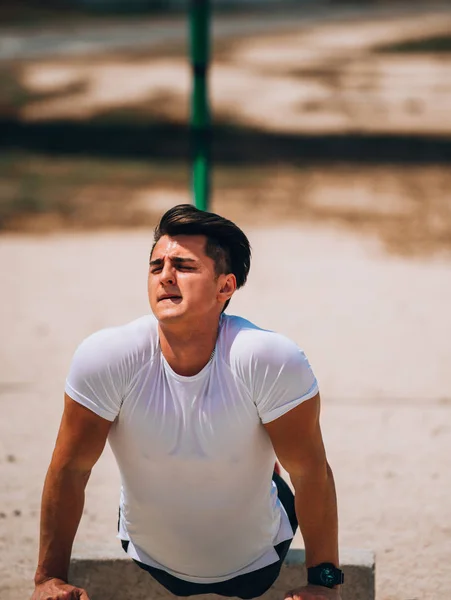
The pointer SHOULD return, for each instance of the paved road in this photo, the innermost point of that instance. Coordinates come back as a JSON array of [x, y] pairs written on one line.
[[83, 39]]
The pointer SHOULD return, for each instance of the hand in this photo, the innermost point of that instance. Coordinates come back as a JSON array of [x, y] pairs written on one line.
[[313, 592], [57, 589]]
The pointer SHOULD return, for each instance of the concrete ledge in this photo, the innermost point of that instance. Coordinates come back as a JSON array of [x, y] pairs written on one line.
[[113, 576]]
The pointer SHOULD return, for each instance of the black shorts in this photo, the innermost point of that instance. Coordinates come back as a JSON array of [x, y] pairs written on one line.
[[249, 585]]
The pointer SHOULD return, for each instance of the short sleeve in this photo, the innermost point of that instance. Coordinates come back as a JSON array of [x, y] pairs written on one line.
[[97, 376], [282, 377]]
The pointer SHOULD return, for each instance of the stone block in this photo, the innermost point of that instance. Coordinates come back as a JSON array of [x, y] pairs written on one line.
[[113, 576]]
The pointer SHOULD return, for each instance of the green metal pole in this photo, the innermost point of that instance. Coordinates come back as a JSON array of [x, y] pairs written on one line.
[[200, 114]]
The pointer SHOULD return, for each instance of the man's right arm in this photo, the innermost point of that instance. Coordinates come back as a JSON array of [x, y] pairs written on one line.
[[80, 442]]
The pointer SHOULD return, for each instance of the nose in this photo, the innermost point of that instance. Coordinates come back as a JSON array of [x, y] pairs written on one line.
[[167, 276]]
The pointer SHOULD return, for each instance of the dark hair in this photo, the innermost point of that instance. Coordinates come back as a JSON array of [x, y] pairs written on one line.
[[226, 244]]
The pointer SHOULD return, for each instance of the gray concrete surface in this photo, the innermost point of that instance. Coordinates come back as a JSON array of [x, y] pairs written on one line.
[[113, 576]]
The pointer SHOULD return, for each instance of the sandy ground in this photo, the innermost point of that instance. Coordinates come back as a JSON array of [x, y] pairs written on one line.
[[377, 330], [376, 326], [327, 78]]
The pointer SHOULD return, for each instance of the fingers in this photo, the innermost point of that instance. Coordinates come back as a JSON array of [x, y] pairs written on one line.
[[57, 589], [293, 596], [70, 594], [309, 595], [74, 594]]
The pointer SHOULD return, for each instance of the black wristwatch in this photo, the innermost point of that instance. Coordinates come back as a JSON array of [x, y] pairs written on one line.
[[325, 574]]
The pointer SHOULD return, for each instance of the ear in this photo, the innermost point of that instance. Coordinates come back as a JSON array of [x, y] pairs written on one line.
[[227, 287]]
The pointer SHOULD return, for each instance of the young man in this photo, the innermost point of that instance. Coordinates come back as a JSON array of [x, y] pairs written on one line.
[[196, 405]]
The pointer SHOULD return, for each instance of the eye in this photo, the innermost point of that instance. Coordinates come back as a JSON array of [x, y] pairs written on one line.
[[155, 270]]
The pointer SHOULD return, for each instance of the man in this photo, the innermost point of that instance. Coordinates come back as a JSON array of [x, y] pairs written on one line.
[[196, 405]]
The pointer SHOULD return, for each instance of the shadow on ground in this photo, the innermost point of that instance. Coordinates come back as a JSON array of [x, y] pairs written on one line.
[[231, 145]]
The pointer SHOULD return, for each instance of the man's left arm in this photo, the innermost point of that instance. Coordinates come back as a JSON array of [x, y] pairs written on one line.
[[298, 443]]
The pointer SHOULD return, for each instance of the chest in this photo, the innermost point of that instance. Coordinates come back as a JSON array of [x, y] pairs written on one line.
[[211, 417]]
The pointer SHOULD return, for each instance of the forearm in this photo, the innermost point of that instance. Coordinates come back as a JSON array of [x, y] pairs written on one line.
[[316, 511], [61, 510]]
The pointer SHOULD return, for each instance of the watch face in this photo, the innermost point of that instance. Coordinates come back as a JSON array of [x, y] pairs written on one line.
[[327, 576]]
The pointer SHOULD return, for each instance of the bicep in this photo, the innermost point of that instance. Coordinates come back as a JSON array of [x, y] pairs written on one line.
[[81, 437], [296, 437]]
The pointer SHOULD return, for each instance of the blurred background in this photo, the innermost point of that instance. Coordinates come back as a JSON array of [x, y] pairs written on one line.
[[330, 146], [322, 111]]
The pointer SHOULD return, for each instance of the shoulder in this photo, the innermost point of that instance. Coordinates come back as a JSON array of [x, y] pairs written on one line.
[[260, 357], [273, 368], [106, 364], [114, 345], [249, 343]]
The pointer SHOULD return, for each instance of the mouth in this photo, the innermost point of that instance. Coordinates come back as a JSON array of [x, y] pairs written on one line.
[[172, 297]]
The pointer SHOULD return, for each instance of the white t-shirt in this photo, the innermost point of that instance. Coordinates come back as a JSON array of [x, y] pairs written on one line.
[[196, 464]]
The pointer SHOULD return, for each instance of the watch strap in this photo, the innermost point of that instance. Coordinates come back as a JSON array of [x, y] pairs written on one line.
[[325, 574]]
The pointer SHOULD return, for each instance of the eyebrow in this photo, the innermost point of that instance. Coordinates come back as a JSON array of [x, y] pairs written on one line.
[[173, 259]]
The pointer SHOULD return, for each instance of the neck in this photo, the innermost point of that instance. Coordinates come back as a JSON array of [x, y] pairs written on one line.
[[188, 351]]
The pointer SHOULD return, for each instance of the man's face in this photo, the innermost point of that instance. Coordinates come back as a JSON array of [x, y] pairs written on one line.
[[182, 281]]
